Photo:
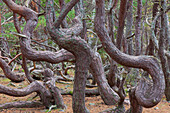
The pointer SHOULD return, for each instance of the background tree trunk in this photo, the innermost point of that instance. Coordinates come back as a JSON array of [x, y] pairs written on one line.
[[122, 16], [138, 28], [162, 56]]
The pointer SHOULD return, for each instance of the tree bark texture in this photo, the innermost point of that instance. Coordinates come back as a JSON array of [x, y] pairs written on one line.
[[31, 22], [33, 87], [134, 105], [162, 56], [155, 10], [62, 6], [64, 12], [129, 23], [113, 65], [50, 83], [138, 28], [122, 15], [8, 73], [67, 43], [69, 40], [107, 93], [147, 63], [21, 104]]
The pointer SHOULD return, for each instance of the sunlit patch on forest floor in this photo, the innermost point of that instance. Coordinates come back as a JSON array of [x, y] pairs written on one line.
[[94, 104]]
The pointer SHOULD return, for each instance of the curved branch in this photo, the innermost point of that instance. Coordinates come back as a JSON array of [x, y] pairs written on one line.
[[64, 12], [8, 73], [31, 22], [23, 11], [69, 40], [108, 95], [33, 87], [147, 63], [15, 58]]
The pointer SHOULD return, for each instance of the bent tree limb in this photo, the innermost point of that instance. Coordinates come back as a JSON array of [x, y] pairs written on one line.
[[147, 63], [81, 51], [21, 104], [71, 42], [66, 38], [8, 73], [108, 95], [33, 87], [31, 18], [50, 83], [27, 51]]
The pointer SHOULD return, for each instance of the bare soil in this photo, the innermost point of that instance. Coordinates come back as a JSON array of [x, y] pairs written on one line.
[[94, 104]]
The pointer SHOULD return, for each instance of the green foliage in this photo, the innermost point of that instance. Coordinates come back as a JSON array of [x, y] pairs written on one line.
[[71, 14], [41, 22], [103, 55], [5, 80], [71, 92]]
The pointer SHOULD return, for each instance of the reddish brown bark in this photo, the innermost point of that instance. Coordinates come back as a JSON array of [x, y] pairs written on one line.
[[34, 5], [72, 43], [21, 104]]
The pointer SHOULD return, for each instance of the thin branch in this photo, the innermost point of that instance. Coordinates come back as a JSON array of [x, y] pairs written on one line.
[[64, 12], [14, 58]]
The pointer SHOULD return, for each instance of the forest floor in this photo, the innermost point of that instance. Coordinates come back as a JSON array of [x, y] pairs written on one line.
[[94, 104]]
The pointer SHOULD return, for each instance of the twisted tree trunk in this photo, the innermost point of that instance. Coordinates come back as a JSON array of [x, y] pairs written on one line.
[[147, 63]]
